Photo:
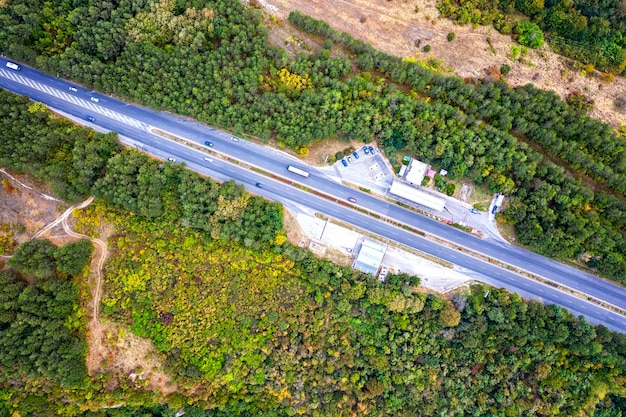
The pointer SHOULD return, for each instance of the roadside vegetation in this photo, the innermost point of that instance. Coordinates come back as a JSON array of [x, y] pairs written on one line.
[[248, 324], [223, 73]]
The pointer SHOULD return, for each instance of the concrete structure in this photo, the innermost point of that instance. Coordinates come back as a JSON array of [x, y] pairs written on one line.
[[370, 256], [420, 197], [415, 172]]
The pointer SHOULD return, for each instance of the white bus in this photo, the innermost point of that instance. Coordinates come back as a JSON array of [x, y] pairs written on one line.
[[297, 171]]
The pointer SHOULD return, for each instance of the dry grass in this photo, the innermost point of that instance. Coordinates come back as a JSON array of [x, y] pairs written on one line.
[[394, 26]]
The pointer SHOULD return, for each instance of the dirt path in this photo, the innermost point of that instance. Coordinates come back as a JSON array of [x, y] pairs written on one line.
[[393, 26]]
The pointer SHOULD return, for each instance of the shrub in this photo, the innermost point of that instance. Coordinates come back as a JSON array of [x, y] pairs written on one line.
[[505, 69], [451, 36], [529, 34], [426, 48]]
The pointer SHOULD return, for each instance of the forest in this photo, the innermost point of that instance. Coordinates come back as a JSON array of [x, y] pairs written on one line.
[[274, 331], [225, 73], [589, 31]]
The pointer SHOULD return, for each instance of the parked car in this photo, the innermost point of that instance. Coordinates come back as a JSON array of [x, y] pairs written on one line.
[[258, 184], [473, 210], [74, 89], [207, 143], [344, 162], [349, 159], [494, 209], [365, 150], [94, 99], [356, 155], [91, 118], [371, 148], [169, 158], [352, 199]]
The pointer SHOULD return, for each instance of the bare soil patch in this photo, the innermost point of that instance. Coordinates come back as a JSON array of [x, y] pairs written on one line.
[[23, 211], [394, 26]]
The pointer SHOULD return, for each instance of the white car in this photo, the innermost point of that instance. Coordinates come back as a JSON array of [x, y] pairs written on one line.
[[206, 158], [13, 66], [74, 89], [234, 139], [171, 159], [95, 99]]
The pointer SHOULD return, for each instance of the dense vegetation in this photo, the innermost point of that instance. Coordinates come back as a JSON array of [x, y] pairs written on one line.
[[223, 72], [590, 31], [41, 330], [251, 325]]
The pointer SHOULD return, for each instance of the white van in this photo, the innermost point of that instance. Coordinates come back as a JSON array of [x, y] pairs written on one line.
[[13, 66]]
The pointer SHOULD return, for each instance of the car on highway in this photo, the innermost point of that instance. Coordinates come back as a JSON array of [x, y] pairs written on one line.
[[344, 162], [365, 150], [13, 66], [356, 155], [206, 158], [207, 143], [91, 118], [234, 139], [473, 210], [258, 184], [352, 199], [94, 99], [169, 158], [74, 89]]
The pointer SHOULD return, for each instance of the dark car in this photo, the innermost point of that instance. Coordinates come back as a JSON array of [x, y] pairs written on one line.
[[371, 148], [365, 150], [91, 118], [207, 143], [352, 199], [356, 155], [493, 210], [258, 184], [344, 162]]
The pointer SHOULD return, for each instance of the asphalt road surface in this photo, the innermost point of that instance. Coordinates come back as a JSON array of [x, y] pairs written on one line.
[[134, 124]]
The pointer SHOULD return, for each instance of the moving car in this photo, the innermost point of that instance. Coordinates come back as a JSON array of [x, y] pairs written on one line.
[[74, 89], [352, 199], [234, 139], [258, 184], [344, 162], [95, 99], [13, 66], [91, 118], [169, 158], [206, 158], [207, 143]]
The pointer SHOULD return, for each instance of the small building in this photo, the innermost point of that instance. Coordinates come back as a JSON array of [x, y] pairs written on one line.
[[431, 173], [420, 197], [370, 256], [415, 172]]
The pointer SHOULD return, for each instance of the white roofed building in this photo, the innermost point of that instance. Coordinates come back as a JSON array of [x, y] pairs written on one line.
[[416, 196], [370, 256]]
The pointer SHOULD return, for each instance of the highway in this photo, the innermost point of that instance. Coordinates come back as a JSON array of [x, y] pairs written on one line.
[[135, 123]]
